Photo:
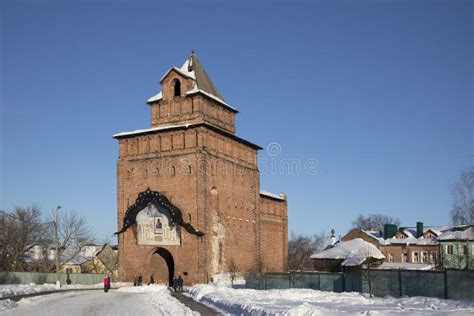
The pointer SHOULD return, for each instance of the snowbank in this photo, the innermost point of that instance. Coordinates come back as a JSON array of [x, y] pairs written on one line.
[[7, 290], [145, 288], [160, 299], [143, 300], [313, 302], [19, 289], [224, 279]]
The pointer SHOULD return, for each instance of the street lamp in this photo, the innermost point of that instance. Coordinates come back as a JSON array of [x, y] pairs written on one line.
[[56, 222]]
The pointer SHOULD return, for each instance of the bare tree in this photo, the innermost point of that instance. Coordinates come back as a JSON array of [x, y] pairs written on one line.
[[74, 234], [374, 221], [301, 247], [233, 270], [20, 230], [463, 193], [369, 262]]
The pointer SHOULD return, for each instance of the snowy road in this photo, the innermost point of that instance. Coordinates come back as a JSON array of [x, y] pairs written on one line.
[[125, 301]]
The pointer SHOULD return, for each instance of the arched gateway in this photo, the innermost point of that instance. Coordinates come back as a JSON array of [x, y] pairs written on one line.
[[162, 266]]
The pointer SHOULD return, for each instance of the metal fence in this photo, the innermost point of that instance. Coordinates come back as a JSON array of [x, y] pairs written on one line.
[[41, 278], [452, 284]]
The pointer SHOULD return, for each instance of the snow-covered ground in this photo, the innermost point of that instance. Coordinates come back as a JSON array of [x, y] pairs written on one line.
[[7, 290], [145, 300], [312, 302]]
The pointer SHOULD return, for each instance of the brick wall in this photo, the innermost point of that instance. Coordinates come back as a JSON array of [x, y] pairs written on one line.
[[273, 222]]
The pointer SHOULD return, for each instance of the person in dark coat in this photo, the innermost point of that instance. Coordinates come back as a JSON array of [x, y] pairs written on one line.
[[152, 280], [110, 283], [140, 280], [180, 284], [106, 284], [175, 284]]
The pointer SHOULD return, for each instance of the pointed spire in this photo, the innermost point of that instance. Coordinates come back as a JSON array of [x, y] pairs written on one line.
[[203, 82]]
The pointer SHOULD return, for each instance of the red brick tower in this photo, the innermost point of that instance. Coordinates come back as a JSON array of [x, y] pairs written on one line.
[[189, 200]]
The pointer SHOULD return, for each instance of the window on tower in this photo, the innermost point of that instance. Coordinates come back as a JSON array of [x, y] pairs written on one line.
[[177, 88]]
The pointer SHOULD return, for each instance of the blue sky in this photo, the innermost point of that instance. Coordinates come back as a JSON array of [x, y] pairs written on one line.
[[379, 92]]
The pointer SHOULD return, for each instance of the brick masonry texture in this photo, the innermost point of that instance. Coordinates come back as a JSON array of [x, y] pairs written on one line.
[[213, 178]]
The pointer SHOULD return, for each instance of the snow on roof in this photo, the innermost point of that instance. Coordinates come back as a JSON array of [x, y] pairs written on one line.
[[408, 240], [155, 98], [195, 90], [273, 195], [354, 252], [404, 266], [187, 68], [188, 74], [374, 233], [467, 234], [153, 129]]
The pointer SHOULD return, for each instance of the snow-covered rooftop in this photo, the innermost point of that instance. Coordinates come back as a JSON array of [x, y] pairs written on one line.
[[354, 252], [467, 234], [410, 232], [273, 195]]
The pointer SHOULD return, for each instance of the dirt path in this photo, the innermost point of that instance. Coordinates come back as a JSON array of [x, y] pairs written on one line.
[[195, 306]]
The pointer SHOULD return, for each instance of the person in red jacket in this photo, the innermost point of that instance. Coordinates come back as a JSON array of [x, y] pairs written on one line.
[[106, 284]]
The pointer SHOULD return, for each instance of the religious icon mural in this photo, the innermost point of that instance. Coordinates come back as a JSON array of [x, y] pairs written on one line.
[[153, 228]]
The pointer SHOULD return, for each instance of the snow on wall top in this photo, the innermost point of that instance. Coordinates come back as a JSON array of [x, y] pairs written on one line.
[[273, 195], [152, 129], [354, 251], [195, 90], [404, 266], [155, 98]]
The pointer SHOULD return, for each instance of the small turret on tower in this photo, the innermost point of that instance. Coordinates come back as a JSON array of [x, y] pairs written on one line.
[[188, 96]]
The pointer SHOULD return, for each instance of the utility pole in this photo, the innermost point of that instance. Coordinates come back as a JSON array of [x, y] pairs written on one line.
[[56, 222]]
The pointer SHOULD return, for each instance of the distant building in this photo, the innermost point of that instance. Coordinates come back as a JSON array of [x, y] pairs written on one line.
[[104, 261], [92, 258], [457, 248], [346, 256], [407, 247]]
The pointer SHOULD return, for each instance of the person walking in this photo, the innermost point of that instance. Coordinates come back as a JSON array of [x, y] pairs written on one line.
[[180, 284], [175, 284], [106, 284], [152, 280]]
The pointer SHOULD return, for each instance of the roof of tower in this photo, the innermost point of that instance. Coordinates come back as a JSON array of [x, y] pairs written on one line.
[[193, 69], [203, 82]]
